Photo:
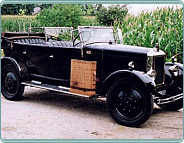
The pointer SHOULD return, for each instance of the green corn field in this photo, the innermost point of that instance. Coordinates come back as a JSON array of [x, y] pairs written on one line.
[[14, 23], [163, 26]]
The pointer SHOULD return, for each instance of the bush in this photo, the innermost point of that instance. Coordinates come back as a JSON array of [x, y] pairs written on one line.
[[61, 15], [90, 21], [107, 16]]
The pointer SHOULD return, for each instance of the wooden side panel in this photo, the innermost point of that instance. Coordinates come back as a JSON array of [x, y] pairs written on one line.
[[83, 77]]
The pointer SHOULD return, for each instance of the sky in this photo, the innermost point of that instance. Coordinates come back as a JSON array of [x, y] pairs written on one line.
[[138, 8]]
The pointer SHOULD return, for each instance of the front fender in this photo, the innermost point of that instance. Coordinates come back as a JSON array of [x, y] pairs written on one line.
[[9, 60], [170, 79], [132, 75], [169, 64]]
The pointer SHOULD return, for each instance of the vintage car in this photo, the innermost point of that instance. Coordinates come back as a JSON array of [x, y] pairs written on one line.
[[92, 62]]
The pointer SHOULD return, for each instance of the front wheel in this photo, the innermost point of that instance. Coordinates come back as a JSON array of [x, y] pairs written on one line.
[[129, 103], [11, 87]]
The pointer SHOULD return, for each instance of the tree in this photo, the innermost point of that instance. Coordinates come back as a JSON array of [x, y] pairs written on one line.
[[10, 9], [90, 9], [98, 6], [61, 15], [29, 8], [42, 6], [107, 16], [15, 9]]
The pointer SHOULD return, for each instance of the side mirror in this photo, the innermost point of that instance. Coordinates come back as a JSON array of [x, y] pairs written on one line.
[[173, 58]]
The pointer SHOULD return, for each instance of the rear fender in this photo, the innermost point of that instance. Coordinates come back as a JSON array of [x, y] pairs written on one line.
[[133, 76]]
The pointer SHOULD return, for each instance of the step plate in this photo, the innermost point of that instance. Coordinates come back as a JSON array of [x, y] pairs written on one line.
[[60, 89]]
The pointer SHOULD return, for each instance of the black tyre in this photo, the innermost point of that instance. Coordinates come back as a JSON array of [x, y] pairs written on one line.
[[170, 91], [129, 104], [11, 87]]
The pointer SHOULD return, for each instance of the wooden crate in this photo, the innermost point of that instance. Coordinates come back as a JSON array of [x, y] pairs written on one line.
[[83, 77]]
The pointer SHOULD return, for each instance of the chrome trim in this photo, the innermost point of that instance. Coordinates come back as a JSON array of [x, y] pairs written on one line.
[[174, 68], [60, 89], [153, 53], [131, 65], [170, 99], [104, 27], [152, 73], [150, 65]]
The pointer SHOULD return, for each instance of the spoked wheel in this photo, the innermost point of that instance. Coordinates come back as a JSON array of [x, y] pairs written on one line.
[[168, 92], [129, 104], [11, 87]]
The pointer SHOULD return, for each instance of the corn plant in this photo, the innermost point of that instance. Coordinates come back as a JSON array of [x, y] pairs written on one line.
[[163, 26], [16, 23]]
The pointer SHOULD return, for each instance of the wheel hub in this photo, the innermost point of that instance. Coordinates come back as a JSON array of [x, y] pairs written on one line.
[[10, 82], [129, 104]]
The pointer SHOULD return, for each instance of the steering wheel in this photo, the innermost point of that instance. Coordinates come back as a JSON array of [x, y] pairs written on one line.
[[75, 40], [83, 40]]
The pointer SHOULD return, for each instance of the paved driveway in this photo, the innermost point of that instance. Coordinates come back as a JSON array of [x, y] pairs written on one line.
[[48, 115]]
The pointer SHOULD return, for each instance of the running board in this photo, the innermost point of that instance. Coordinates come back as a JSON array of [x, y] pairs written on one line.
[[60, 89], [168, 100]]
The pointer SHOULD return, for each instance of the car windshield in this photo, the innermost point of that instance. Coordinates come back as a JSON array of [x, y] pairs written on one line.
[[64, 33], [96, 34]]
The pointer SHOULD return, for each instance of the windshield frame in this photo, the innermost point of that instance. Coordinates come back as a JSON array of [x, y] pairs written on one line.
[[95, 27]]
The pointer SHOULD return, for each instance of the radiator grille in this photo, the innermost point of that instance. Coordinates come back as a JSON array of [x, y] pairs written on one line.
[[159, 63]]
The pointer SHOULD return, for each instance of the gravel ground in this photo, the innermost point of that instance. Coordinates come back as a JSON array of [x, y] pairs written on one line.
[[48, 115]]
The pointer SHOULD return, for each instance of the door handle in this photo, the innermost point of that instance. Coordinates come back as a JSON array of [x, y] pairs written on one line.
[[51, 56]]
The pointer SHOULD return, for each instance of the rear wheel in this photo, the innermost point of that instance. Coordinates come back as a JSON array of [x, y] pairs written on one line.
[[11, 87], [129, 104]]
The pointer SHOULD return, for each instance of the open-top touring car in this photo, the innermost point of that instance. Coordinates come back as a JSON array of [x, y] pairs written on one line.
[[92, 63]]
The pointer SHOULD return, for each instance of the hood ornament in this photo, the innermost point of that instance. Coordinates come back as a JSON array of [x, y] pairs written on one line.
[[157, 47]]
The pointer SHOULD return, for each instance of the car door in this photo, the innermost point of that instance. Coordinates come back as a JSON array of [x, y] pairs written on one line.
[[38, 59], [60, 62], [91, 53]]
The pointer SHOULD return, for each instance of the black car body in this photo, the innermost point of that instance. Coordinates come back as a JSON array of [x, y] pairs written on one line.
[[132, 78]]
